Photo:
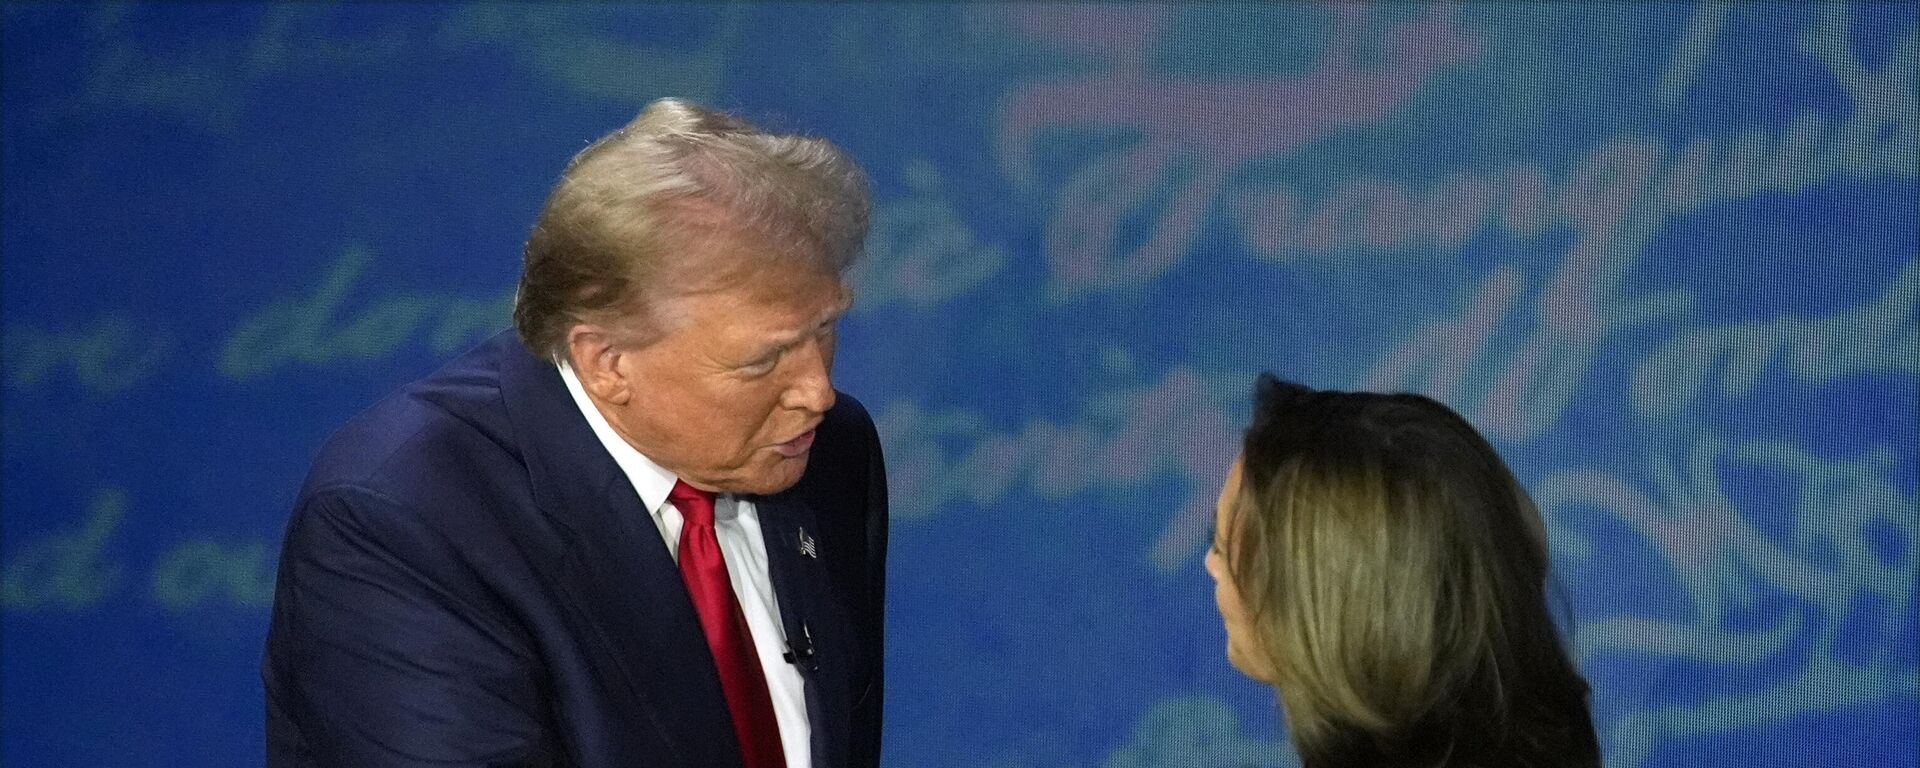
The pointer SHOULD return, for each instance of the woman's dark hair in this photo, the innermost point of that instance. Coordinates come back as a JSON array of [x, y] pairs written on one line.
[[1395, 574]]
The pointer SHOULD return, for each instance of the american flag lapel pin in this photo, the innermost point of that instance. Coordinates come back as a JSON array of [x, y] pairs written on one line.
[[807, 547]]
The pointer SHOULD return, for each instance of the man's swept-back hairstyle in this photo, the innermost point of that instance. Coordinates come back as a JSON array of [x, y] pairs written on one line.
[[608, 245], [1396, 577]]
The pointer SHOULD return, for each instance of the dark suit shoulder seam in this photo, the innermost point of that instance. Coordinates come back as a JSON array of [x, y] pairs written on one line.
[[336, 488]]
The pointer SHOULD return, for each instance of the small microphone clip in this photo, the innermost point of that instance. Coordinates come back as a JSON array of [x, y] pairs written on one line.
[[800, 651]]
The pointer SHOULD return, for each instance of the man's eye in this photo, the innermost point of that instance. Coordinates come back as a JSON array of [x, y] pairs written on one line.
[[761, 367]]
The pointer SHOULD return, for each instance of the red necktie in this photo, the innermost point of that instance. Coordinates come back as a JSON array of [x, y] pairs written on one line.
[[741, 679]]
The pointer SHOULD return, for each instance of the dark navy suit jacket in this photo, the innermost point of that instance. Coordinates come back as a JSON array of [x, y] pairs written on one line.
[[469, 579]]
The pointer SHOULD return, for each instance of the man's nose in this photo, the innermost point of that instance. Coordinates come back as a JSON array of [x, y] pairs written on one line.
[[812, 386]]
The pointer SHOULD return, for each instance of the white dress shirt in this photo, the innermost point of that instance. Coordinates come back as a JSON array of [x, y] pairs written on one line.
[[737, 525]]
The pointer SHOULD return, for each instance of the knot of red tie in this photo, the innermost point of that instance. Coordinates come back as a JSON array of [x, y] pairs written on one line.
[[695, 505]]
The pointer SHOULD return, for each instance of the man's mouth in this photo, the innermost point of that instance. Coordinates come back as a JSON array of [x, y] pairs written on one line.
[[797, 446]]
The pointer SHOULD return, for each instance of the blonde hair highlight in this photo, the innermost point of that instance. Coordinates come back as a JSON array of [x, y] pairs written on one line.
[[631, 206]]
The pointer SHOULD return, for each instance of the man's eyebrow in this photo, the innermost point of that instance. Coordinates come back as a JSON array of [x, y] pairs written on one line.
[[780, 346]]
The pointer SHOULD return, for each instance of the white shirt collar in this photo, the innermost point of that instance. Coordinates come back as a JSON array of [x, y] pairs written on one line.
[[649, 479]]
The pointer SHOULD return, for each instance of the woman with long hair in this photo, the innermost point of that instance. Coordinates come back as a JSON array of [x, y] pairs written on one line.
[[1378, 564]]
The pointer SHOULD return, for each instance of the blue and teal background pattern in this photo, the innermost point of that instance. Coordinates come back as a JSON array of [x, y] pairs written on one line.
[[1664, 255]]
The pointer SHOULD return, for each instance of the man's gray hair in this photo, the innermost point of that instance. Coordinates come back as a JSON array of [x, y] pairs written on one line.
[[632, 203]]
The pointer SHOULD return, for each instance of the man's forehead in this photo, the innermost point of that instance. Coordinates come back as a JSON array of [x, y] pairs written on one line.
[[778, 303], [833, 306]]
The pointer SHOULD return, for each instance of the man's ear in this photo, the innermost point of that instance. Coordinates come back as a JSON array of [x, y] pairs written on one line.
[[596, 361]]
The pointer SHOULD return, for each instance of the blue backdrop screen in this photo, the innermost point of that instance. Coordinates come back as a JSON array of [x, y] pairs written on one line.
[[1664, 255]]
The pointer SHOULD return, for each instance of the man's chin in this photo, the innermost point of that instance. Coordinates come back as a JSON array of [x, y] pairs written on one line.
[[770, 479]]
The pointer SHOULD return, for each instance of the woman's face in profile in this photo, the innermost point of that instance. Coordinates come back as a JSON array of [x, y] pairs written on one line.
[[1225, 594]]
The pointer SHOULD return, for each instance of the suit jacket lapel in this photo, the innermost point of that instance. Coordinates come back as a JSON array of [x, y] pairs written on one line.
[[617, 572], [811, 619]]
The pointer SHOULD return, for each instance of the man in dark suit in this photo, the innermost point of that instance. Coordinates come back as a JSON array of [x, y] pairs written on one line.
[[644, 530]]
